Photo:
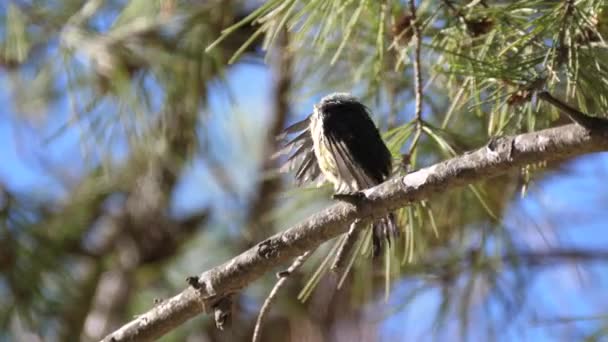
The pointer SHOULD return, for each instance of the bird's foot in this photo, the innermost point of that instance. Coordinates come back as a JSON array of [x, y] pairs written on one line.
[[351, 197], [493, 142]]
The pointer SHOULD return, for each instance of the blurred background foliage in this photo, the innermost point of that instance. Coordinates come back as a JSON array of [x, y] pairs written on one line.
[[136, 143]]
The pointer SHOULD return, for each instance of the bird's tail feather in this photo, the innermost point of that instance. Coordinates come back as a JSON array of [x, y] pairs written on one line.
[[384, 229]]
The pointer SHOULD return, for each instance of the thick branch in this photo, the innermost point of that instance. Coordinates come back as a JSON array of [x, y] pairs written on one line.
[[498, 157]]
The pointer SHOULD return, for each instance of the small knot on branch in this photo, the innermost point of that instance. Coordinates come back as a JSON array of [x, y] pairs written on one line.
[[223, 312], [194, 282], [268, 248]]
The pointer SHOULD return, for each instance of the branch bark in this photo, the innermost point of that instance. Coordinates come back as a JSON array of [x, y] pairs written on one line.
[[497, 157]]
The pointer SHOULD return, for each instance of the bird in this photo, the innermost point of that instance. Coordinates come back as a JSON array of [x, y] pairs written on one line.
[[340, 143]]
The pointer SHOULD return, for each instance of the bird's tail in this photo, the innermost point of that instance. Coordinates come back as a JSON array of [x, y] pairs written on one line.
[[384, 230]]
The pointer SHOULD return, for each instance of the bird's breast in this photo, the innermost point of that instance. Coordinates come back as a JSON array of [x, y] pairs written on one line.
[[325, 159]]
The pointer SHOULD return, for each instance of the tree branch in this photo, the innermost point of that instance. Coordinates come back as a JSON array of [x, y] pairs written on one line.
[[498, 157]]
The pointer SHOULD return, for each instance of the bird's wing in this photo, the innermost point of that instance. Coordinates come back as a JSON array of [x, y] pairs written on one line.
[[357, 140], [303, 159], [348, 168]]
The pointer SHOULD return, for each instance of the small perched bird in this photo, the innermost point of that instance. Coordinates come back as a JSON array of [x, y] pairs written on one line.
[[340, 142]]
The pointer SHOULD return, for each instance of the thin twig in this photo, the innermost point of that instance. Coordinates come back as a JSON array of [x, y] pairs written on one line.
[[257, 332], [583, 119], [339, 267], [417, 73], [417, 76]]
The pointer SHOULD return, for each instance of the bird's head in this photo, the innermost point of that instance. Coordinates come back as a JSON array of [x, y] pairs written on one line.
[[339, 103]]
